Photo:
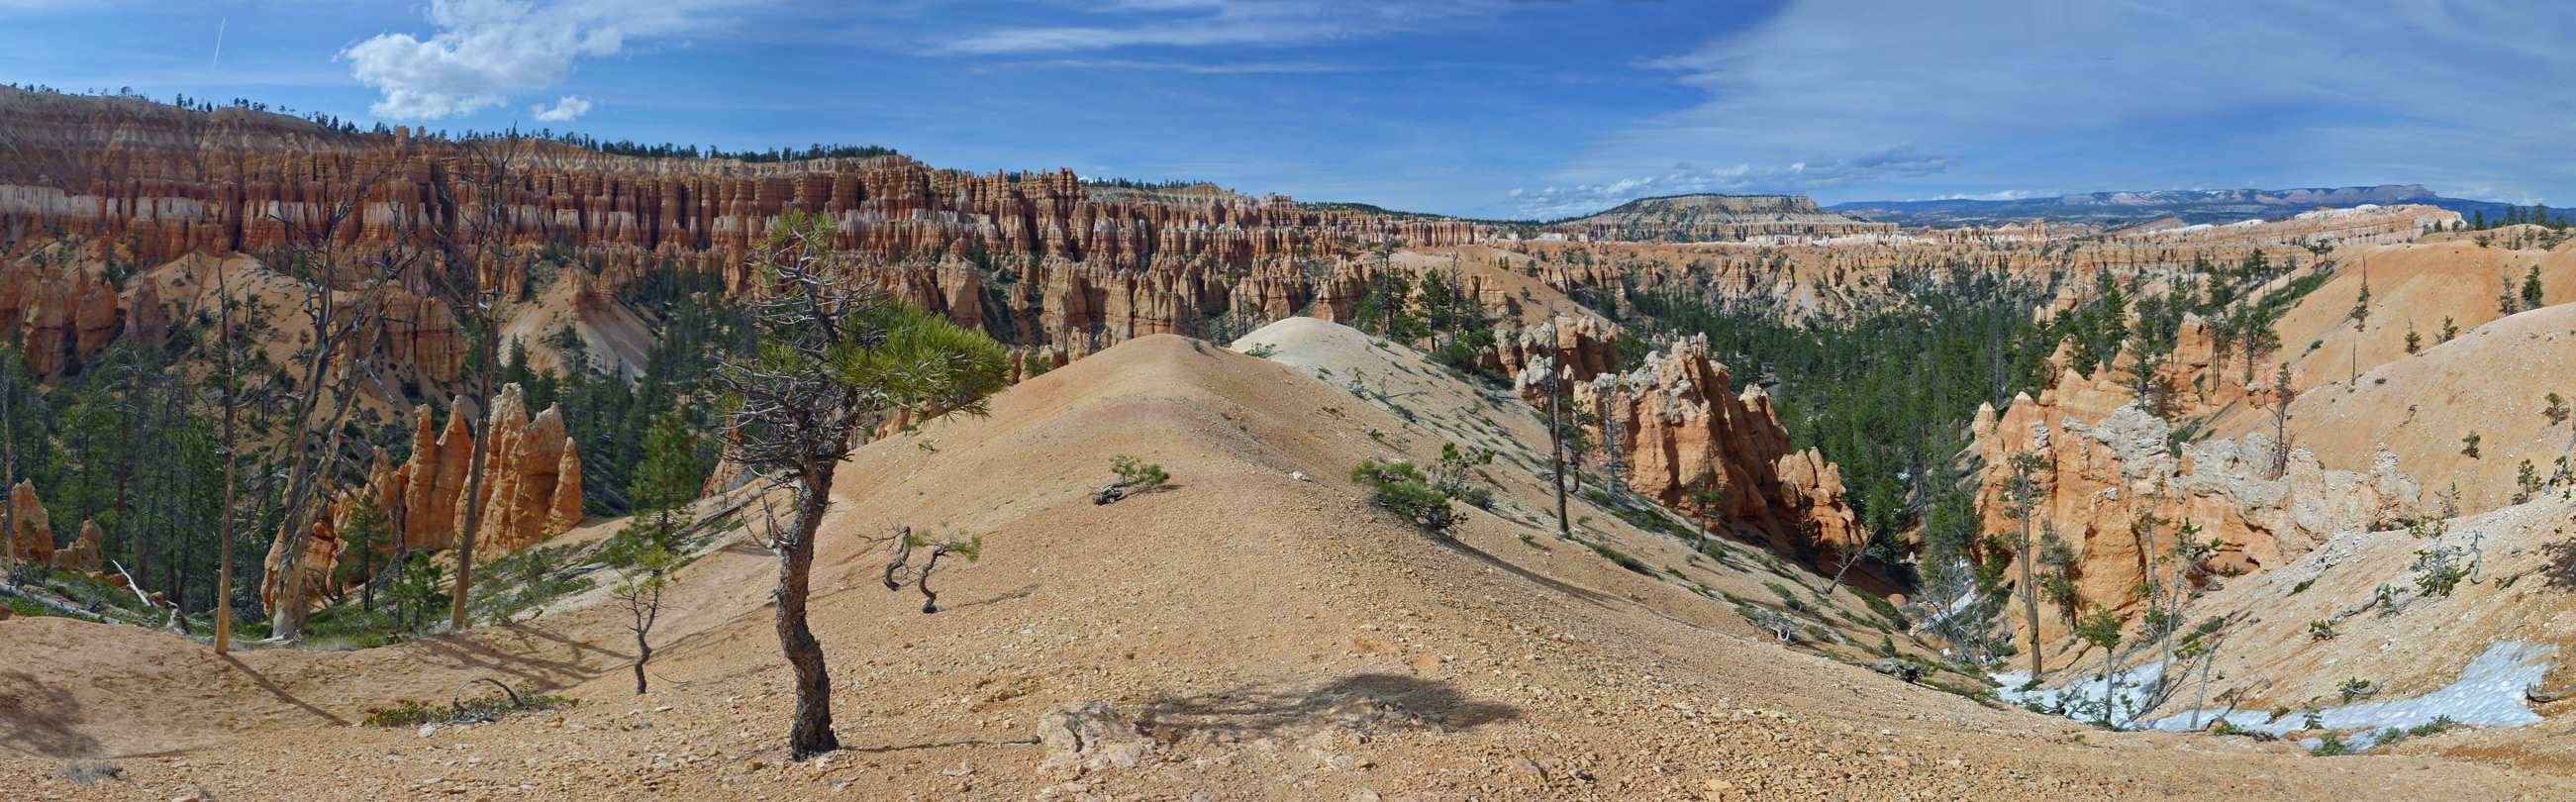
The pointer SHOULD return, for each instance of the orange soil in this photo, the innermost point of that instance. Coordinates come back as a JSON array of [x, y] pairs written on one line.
[[1280, 638]]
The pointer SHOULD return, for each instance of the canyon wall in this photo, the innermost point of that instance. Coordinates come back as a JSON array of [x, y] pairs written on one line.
[[1033, 258], [2327, 228], [1038, 260], [1825, 275], [2102, 461]]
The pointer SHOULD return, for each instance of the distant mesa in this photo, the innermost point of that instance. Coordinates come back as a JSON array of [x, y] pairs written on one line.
[[1718, 218]]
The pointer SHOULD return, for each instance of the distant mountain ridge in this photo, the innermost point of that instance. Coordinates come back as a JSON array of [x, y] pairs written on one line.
[[1706, 203], [1717, 218], [2189, 205]]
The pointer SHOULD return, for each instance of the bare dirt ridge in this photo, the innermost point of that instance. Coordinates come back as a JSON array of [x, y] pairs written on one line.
[[1268, 634]]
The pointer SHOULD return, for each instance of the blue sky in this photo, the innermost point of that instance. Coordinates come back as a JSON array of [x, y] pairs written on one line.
[[1485, 108]]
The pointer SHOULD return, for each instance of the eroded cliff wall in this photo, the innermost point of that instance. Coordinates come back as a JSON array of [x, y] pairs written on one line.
[[1032, 258]]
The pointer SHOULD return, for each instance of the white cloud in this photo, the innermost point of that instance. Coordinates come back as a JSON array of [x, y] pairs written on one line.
[[1242, 23], [2005, 195], [1222, 68], [1902, 160], [486, 50], [571, 107], [2133, 96]]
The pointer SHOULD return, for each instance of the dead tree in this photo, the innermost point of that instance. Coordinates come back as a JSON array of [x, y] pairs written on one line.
[[470, 284], [228, 395], [9, 474], [316, 401], [2025, 504], [836, 360], [1846, 556], [1610, 407], [2281, 398], [1556, 440], [899, 573]]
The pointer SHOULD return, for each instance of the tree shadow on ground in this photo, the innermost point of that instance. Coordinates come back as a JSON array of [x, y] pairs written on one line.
[[528, 632], [1361, 702], [943, 745], [469, 653], [1571, 590], [2559, 564], [1021, 593], [38, 719], [264, 684]]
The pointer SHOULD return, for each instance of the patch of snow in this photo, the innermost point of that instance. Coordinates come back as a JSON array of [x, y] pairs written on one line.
[[2128, 693], [2489, 693]]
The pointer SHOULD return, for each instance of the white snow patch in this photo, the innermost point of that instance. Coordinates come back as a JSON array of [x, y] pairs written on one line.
[[2082, 700], [2489, 693]]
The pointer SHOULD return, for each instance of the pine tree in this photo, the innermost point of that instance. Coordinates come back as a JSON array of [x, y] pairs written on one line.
[[2101, 627], [641, 594], [673, 471], [365, 546], [834, 362]]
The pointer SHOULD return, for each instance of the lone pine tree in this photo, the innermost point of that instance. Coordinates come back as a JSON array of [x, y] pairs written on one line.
[[641, 595], [836, 359]]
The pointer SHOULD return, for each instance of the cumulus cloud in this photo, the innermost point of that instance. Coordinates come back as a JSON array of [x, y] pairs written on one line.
[[486, 50], [1902, 160], [570, 108]]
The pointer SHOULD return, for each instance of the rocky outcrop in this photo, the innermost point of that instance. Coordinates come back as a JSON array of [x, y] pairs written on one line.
[[85, 554], [532, 478], [1083, 737], [1582, 345], [60, 304], [1030, 363], [1675, 429], [33, 538], [531, 488], [148, 319], [2097, 474], [61, 309], [2366, 224], [1811, 483], [418, 333], [531, 484], [321, 556]]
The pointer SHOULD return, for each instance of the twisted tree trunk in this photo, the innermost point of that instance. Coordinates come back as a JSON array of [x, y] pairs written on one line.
[[811, 734]]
